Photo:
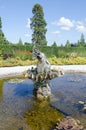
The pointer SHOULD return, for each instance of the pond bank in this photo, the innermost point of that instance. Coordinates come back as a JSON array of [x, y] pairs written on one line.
[[18, 70], [6, 72]]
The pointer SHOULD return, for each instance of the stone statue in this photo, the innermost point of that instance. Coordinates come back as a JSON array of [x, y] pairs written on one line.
[[41, 75], [43, 64]]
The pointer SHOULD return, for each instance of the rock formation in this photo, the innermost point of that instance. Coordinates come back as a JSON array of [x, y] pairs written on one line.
[[41, 75]]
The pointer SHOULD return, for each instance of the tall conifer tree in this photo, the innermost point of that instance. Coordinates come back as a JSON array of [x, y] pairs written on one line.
[[38, 26], [2, 37]]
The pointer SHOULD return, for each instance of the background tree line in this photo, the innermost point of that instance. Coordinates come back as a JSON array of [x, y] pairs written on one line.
[[38, 27]]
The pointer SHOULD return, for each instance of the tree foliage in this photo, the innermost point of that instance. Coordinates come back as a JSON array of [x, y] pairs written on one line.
[[54, 44], [20, 42], [38, 26], [68, 43], [82, 40], [2, 37], [0, 23]]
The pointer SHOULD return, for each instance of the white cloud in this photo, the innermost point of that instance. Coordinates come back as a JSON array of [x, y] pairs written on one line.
[[65, 28], [27, 35], [65, 23], [81, 28], [28, 23], [79, 22], [56, 32]]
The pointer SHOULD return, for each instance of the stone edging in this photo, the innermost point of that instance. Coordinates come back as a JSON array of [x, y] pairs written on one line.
[[18, 70]]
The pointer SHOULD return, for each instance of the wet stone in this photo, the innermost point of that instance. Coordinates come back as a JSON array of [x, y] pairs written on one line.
[[69, 123]]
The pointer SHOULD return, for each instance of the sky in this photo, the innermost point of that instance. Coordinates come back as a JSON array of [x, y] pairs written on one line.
[[66, 20]]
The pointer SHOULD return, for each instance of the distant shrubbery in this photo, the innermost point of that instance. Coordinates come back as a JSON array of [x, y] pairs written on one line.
[[67, 61], [53, 60], [22, 55]]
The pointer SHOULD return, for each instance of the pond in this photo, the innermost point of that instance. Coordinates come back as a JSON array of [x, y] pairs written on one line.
[[69, 93], [16, 98]]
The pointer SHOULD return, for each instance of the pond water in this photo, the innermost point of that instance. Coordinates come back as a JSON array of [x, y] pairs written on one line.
[[69, 93], [16, 97]]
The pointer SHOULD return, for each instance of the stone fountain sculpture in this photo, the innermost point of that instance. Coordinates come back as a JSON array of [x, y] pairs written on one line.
[[41, 75]]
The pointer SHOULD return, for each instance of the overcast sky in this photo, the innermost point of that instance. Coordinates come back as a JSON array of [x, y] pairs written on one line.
[[66, 19]]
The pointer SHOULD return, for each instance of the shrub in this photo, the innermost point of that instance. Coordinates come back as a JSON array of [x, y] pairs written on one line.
[[23, 55]]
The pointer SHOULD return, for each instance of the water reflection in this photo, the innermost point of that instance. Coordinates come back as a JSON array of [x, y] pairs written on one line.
[[68, 92], [23, 89], [42, 116], [69, 89], [17, 98], [1, 89]]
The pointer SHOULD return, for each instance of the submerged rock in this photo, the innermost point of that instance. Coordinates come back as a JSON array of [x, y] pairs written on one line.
[[44, 92], [81, 102], [82, 106], [69, 123]]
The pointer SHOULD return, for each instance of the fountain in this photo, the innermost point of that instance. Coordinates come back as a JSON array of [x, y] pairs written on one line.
[[67, 95], [41, 75]]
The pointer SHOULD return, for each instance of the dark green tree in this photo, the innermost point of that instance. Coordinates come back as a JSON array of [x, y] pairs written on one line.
[[0, 24], [38, 26], [82, 40], [79, 43], [54, 44], [20, 42], [2, 37], [68, 43]]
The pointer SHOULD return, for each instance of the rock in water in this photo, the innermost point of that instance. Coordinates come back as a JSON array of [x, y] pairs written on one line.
[[69, 123]]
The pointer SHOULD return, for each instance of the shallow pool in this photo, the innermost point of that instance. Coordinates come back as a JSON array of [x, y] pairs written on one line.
[[69, 95], [16, 97]]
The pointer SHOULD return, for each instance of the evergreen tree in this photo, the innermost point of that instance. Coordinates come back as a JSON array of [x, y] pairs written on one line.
[[82, 40], [20, 42], [2, 37], [79, 43], [0, 23], [38, 26], [54, 44], [68, 44]]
